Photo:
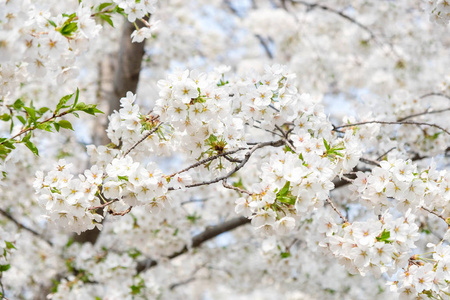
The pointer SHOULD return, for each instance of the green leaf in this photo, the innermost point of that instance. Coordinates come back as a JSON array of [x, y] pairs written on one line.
[[56, 126], [134, 253], [45, 126], [327, 146], [31, 112], [87, 108], [5, 117], [4, 151], [27, 137], [4, 268], [9, 245], [287, 199], [8, 144], [288, 149], [18, 104], [32, 147], [212, 139], [65, 124], [77, 94], [284, 190], [193, 218], [285, 254], [43, 110], [71, 16], [239, 184], [21, 119], [52, 23], [107, 19], [104, 5], [62, 102], [384, 237], [69, 28], [125, 178]]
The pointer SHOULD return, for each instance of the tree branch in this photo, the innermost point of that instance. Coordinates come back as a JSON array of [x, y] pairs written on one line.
[[336, 210], [334, 11], [208, 234], [21, 226], [427, 112], [143, 139], [204, 161], [434, 213], [434, 94], [392, 123], [238, 167]]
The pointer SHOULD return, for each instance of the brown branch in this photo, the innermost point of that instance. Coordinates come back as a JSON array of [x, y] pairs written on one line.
[[392, 123], [336, 210], [434, 94], [427, 112], [334, 11], [369, 161], [231, 187], [384, 154], [434, 213], [21, 226], [238, 167], [208, 234], [120, 213], [207, 160], [103, 205], [142, 139], [175, 285], [348, 18], [128, 67]]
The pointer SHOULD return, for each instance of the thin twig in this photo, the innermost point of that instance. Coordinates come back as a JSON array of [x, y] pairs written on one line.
[[434, 213], [207, 160], [427, 112], [347, 179], [434, 94], [103, 205], [238, 167], [285, 137], [332, 10], [142, 139], [369, 161], [336, 210], [231, 187], [348, 18], [384, 154], [175, 285], [20, 225], [120, 213], [392, 123]]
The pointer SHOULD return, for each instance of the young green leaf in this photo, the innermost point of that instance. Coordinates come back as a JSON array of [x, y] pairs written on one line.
[[65, 124]]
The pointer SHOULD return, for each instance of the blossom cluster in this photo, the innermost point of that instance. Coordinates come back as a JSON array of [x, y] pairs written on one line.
[[439, 11], [66, 199], [400, 180]]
